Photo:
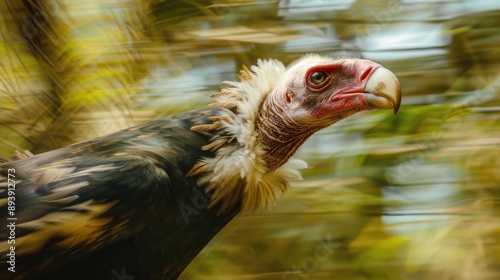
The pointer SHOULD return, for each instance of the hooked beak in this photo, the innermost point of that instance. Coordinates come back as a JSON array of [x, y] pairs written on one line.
[[382, 90]]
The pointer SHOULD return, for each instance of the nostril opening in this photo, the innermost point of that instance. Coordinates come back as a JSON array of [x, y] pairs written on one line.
[[365, 74]]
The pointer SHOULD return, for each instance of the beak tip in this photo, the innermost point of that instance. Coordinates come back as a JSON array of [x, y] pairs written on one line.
[[398, 102], [385, 90]]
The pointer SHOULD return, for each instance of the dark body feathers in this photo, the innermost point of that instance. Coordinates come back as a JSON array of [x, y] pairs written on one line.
[[150, 218]]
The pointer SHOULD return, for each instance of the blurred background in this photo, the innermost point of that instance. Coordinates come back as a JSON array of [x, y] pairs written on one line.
[[416, 196]]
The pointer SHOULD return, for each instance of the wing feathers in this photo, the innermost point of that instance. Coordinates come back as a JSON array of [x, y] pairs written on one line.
[[78, 199]]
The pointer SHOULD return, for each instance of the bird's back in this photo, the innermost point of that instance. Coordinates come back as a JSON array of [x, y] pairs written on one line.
[[112, 206]]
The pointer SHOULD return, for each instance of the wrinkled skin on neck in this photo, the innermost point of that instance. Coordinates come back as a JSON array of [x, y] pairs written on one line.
[[280, 134]]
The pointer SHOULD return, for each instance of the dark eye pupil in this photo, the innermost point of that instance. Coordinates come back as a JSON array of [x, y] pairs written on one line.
[[317, 77]]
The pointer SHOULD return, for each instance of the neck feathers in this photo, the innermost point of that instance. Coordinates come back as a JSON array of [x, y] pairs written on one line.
[[251, 150]]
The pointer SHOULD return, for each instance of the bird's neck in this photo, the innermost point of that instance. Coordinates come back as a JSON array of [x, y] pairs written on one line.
[[252, 140], [278, 134]]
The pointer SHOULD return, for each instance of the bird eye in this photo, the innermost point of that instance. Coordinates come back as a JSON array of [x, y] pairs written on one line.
[[317, 77]]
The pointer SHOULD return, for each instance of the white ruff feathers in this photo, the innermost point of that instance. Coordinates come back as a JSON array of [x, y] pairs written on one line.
[[238, 169]]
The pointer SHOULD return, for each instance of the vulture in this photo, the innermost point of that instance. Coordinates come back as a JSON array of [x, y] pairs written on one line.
[[143, 202]]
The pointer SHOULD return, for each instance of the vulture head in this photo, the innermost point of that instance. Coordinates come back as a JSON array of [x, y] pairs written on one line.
[[316, 92], [271, 112]]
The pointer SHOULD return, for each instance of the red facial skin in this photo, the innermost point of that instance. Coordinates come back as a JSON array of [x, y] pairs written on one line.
[[343, 89]]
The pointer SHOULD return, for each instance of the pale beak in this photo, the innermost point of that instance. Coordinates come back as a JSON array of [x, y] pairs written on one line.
[[383, 90]]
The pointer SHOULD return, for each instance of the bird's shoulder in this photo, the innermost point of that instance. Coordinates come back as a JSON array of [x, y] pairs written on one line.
[[101, 190]]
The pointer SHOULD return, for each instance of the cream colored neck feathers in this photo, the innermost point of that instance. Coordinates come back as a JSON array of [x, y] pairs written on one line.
[[252, 142]]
